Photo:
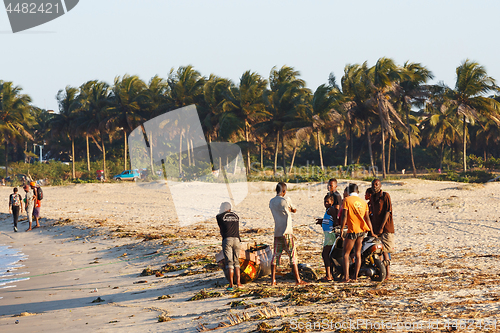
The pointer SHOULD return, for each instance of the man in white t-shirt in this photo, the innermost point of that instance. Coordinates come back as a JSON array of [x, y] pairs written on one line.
[[282, 209]]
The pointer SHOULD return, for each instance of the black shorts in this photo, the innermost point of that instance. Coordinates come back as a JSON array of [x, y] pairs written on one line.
[[355, 236]]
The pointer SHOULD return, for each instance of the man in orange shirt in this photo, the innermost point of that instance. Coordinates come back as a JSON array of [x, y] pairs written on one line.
[[357, 217]]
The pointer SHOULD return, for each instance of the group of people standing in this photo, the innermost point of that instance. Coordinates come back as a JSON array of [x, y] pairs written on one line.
[[31, 204], [360, 217]]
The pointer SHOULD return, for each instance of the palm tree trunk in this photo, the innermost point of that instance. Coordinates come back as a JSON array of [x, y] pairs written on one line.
[[395, 158], [283, 151], [248, 147], [441, 157], [346, 149], [262, 156], [389, 155], [384, 174], [151, 153], [88, 153], [6, 160], [276, 152], [367, 129], [293, 158], [125, 150], [351, 159], [103, 157], [320, 152], [180, 154], [73, 175], [188, 150], [465, 145], [192, 151], [409, 142]]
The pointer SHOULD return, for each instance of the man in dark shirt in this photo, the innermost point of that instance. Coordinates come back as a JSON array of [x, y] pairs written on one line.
[[382, 222], [229, 224], [337, 198]]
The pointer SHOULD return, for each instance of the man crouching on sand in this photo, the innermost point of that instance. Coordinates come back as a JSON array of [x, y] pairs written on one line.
[[357, 217], [282, 210]]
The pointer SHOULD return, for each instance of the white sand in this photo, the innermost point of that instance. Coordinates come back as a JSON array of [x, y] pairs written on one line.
[[445, 263]]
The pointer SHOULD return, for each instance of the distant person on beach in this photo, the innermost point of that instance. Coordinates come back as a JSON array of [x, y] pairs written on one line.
[[229, 224], [357, 218], [15, 206], [282, 209], [29, 204], [383, 224], [38, 204], [327, 223]]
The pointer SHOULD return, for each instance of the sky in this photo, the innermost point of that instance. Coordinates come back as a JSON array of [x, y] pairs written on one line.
[[102, 39]]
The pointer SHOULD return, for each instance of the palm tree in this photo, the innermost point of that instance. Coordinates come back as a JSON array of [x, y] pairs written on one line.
[[468, 100], [14, 116], [124, 110], [186, 86], [95, 102], [246, 103], [412, 91], [65, 121], [286, 96], [384, 77], [356, 92], [211, 110]]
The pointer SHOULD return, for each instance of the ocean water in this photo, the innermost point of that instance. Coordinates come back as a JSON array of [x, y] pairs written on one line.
[[9, 265]]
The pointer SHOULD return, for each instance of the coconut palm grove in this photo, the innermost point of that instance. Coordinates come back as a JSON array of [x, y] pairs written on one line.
[[382, 118]]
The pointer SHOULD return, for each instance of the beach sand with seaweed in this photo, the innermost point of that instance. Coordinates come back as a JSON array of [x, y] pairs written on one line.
[[112, 257]]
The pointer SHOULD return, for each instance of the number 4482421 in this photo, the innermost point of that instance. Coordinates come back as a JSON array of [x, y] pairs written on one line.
[[31, 8]]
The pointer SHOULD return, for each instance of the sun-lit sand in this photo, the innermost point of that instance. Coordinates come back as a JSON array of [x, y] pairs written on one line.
[[96, 240]]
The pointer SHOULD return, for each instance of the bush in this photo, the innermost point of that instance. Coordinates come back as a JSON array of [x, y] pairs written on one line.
[[473, 176]]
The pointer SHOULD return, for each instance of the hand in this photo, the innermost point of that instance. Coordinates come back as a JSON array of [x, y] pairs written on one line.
[[319, 221]]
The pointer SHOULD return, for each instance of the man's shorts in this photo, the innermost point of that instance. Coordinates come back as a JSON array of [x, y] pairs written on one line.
[[286, 242], [388, 241], [329, 238], [355, 236], [231, 250], [36, 212]]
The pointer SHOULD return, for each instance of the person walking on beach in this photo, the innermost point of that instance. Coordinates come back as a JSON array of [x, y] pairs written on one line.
[[383, 224], [15, 206], [30, 204], [357, 218], [282, 209], [38, 204], [327, 223], [229, 225]]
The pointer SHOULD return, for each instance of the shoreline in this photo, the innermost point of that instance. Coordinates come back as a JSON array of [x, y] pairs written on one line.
[[444, 266]]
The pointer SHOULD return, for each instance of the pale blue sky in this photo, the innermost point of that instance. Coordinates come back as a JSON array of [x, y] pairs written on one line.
[[106, 38]]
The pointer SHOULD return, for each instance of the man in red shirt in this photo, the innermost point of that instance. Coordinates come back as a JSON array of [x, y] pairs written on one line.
[[357, 217], [38, 205]]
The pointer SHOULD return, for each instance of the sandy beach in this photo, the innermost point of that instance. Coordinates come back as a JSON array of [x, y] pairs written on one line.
[[86, 260]]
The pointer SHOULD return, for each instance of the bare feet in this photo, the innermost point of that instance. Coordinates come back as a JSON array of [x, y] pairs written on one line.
[[345, 281], [301, 283], [240, 286], [28, 229], [273, 283]]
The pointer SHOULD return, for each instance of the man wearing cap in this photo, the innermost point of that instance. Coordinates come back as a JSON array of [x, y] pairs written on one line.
[[30, 203], [36, 210], [229, 224]]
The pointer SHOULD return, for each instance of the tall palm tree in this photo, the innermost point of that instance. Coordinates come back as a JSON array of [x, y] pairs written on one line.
[[124, 110], [286, 95], [413, 91], [468, 100], [14, 116], [65, 121], [214, 91], [384, 78], [246, 103], [95, 102], [356, 91]]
